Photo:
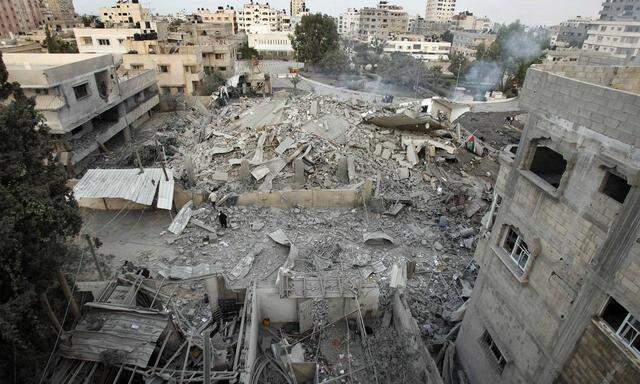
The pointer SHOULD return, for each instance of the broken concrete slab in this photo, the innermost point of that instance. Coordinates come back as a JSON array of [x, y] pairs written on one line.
[[403, 173], [342, 172], [202, 225], [285, 144], [377, 238], [298, 172], [329, 127], [280, 237], [182, 219], [386, 154]]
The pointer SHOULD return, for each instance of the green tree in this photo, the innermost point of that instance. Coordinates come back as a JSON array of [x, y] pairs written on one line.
[[245, 52], [447, 36], [335, 62], [211, 82], [458, 64], [38, 215], [313, 37], [295, 80], [55, 44]]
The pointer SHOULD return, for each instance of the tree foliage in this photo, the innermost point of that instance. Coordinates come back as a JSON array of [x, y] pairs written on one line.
[[334, 62], [38, 215], [458, 64], [447, 36], [211, 82], [245, 52], [314, 36], [55, 44]]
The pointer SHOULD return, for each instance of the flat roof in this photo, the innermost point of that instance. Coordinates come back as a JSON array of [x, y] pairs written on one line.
[[31, 61]]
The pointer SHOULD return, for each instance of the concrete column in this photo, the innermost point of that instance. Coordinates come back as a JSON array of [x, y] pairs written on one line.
[[298, 171], [245, 171], [343, 170], [127, 134]]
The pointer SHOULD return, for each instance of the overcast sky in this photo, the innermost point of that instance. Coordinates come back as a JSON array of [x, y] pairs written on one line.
[[531, 12]]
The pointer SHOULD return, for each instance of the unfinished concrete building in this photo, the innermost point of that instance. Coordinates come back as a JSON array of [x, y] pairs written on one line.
[[83, 99], [557, 298]]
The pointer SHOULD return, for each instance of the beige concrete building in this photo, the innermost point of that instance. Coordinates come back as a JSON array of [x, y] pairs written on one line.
[[59, 12], [466, 21], [262, 14], [179, 70], [557, 299], [349, 23], [297, 7], [110, 40], [419, 48], [440, 10], [19, 16], [220, 15], [383, 22], [125, 12], [84, 100], [467, 43], [616, 38]]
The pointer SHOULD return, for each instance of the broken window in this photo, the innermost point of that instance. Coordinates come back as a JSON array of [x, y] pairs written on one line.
[[549, 165], [615, 187], [625, 325], [497, 358], [163, 68], [517, 249], [81, 91]]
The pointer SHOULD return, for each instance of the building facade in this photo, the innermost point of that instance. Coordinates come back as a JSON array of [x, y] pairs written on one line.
[[613, 10], [220, 15], [466, 21], [467, 43], [124, 12], [418, 25], [616, 38], [272, 45], [573, 32], [19, 16], [420, 49], [440, 10], [557, 299], [262, 14], [59, 12], [83, 98], [383, 22], [297, 7], [349, 23]]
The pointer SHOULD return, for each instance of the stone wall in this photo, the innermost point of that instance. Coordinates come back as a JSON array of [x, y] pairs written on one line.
[[598, 359]]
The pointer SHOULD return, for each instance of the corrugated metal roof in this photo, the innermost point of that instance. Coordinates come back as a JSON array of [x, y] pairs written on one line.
[[127, 184]]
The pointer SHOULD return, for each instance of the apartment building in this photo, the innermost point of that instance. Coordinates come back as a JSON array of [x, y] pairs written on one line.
[[557, 297], [467, 43], [59, 12], [572, 32], [440, 10], [262, 14], [220, 15], [19, 16], [178, 70], [417, 25], [383, 22], [613, 10], [297, 7], [617, 38], [124, 12], [84, 100], [420, 49], [272, 45], [115, 40], [466, 21], [349, 23]]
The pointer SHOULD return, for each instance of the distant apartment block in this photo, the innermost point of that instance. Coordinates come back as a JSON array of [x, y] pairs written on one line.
[[253, 14], [419, 48], [440, 10], [467, 43], [125, 12], [573, 32], [616, 38], [349, 23], [466, 21], [615, 10], [272, 45], [19, 16], [83, 98], [116, 40], [383, 22], [297, 7], [220, 15], [418, 25], [59, 12], [557, 299]]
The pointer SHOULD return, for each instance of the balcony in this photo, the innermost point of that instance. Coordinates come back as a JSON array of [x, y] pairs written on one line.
[[135, 81]]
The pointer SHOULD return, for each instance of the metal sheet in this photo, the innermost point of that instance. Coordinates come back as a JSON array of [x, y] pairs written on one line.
[[165, 192]]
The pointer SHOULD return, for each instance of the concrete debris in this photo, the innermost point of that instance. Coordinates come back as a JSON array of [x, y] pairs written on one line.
[[280, 237], [377, 238], [182, 219]]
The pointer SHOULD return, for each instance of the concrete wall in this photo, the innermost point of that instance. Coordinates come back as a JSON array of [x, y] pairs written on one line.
[[582, 242], [176, 76], [116, 37], [318, 198]]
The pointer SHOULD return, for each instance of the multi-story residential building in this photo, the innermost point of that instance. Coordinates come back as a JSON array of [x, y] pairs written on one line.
[[572, 32], [84, 100], [440, 10], [59, 12], [613, 10], [125, 12], [467, 43], [349, 23], [297, 7], [262, 14], [220, 15], [617, 38], [179, 70], [19, 16], [557, 297], [272, 45], [117, 40], [466, 21], [417, 25], [420, 49], [383, 22]]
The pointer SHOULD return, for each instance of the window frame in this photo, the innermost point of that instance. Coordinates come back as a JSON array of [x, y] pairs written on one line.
[[488, 343], [517, 246], [101, 41], [86, 87], [607, 175], [627, 325]]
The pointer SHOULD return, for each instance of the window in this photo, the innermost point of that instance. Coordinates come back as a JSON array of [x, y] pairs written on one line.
[[623, 323], [549, 165], [86, 40], [615, 187], [81, 91], [163, 68], [497, 358], [137, 66], [517, 249], [104, 42]]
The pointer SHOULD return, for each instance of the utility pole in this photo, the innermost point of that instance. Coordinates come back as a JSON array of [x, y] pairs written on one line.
[[161, 148], [93, 254], [75, 309], [135, 148]]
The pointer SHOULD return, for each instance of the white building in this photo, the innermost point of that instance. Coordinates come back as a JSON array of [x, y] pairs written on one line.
[[271, 45], [297, 7], [124, 12], [420, 49], [84, 99], [440, 10], [349, 23], [113, 40], [262, 14], [617, 38]]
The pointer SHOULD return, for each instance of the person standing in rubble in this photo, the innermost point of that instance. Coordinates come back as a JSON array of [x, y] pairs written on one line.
[[222, 217]]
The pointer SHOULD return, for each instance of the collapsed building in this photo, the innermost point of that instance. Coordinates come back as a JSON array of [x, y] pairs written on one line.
[[556, 299]]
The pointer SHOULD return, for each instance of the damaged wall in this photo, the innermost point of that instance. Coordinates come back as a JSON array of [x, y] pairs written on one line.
[[309, 198]]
